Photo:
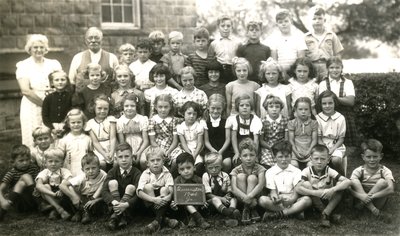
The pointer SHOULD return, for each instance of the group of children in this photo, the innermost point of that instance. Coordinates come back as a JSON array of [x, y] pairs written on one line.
[[256, 141]]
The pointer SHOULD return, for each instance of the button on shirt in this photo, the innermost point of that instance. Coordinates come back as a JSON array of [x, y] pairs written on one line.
[[282, 180], [224, 49]]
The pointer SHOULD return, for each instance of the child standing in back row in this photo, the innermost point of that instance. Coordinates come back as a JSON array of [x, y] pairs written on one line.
[[142, 66], [158, 39]]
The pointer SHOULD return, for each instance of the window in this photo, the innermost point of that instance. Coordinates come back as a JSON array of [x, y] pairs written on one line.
[[120, 14]]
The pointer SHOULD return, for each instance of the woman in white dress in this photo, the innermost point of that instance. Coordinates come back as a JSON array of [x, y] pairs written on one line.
[[32, 76]]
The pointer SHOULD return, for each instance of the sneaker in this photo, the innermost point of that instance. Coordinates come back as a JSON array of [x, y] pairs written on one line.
[[86, 218], [255, 217], [231, 223], [76, 217], [191, 223], [325, 221], [53, 215], [246, 216], [171, 223], [64, 215], [153, 227], [236, 215], [112, 223]]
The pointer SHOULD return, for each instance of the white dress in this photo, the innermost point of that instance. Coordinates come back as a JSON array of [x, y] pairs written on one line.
[[30, 113], [132, 130], [281, 91]]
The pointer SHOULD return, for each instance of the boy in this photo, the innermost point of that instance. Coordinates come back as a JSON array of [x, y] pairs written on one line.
[[248, 180], [127, 54], [225, 47], [43, 140], [158, 39], [199, 58], [323, 184], [49, 180], [218, 187], [283, 201], [253, 50], [287, 44], [321, 42], [213, 72], [185, 164], [174, 59], [155, 187], [372, 182], [141, 67], [121, 180], [84, 190], [20, 180]]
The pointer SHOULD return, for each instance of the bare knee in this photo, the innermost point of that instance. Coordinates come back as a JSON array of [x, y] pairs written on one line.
[[242, 178], [226, 164], [263, 201], [113, 184], [148, 188], [381, 184], [130, 189], [27, 178], [252, 179], [337, 161], [306, 200], [164, 191]]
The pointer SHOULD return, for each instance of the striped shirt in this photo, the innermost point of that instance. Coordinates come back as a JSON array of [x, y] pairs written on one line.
[[13, 175], [199, 65]]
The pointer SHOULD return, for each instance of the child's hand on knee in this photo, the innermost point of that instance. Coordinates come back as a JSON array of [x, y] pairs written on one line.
[[174, 206], [328, 193], [59, 194], [225, 201], [6, 204]]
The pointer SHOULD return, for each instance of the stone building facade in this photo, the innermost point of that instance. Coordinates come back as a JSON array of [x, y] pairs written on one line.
[[64, 22]]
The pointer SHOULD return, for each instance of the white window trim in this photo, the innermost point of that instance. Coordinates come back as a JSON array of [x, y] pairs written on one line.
[[126, 26]]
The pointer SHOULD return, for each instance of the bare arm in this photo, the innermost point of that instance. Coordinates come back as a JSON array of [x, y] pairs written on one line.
[[144, 144], [228, 102], [260, 185], [184, 144], [235, 190], [257, 104], [347, 101], [113, 140], [274, 54], [42, 189], [97, 145], [199, 145], [26, 91], [174, 144], [227, 140], [302, 190]]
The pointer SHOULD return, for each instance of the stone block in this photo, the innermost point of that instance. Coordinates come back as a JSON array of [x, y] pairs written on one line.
[[51, 7], [82, 7], [53, 31], [10, 21], [33, 7], [187, 21], [178, 11], [60, 41], [93, 20], [5, 6], [8, 42], [26, 20], [18, 31], [77, 20], [18, 6], [96, 8], [57, 21], [42, 20], [66, 8], [21, 41]]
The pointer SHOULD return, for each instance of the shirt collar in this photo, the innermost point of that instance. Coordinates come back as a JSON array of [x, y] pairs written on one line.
[[229, 38], [164, 171], [176, 54], [215, 122], [333, 80], [127, 171], [158, 119], [97, 53], [123, 91], [315, 175], [276, 121], [326, 118]]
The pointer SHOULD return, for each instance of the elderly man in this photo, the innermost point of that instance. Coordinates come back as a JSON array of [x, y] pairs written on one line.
[[95, 54]]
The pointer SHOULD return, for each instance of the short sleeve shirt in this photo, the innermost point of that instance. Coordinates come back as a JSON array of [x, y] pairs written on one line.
[[102, 129], [309, 89], [331, 128], [326, 48], [368, 179], [255, 125], [222, 178], [163, 180], [132, 126], [348, 87], [197, 95], [88, 187], [53, 178], [282, 180], [327, 180], [257, 169]]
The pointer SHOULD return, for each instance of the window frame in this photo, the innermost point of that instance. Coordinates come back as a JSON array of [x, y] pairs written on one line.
[[136, 24]]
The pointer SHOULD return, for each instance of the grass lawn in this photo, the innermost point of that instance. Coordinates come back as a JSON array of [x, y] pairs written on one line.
[[353, 222]]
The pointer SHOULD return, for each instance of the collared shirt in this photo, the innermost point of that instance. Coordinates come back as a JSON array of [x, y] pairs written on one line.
[[327, 180], [254, 53], [309, 89], [368, 179], [282, 180], [215, 122], [281, 90], [174, 61], [163, 180], [163, 130], [141, 72], [224, 49], [101, 129], [257, 169], [274, 130], [322, 49], [255, 125], [331, 127], [86, 186], [53, 178], [348, 87], [222, 178], [196, 95], [126, 172]]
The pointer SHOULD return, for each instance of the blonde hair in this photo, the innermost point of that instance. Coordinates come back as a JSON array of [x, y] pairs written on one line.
[[154, 151], [75, 112], [94, 67], [124, 68], [157, 36], [54, 152], [264, 65], [212, 157], [126, 47], [238, 61], [41, 130], [175, 35], [188, 70], [33, 38]]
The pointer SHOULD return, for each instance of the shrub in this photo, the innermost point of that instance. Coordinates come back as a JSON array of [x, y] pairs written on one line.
[[376, 107]]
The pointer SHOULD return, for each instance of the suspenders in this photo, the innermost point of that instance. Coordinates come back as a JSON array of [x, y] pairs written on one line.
[[341, 86]]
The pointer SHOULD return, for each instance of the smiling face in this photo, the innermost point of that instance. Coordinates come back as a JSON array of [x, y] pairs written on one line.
[[215, 109], [130, 109], [91, 170], [187, 82], [225, 28], [93, 40], [54, 163], [242, 72], [328, 106], [302, 72], [163, 108], [59, 82], [284, 25], [160, 80], [303, 111], [372, 158], [186, 170], [101, 109], [124, 159], [283, 159], [95, 77], [272, 75], [38, 50], [248, 158], [123, 79], [213, 75], [75, 123], [335, 70], [155, 163], [43, 141]]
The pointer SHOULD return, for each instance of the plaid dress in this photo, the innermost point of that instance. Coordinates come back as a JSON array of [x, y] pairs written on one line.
[[272, 132], [163, 130]]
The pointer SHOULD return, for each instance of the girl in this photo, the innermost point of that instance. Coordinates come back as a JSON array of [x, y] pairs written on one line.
[[159, 75], [191, 136], [162, 128], [303, 132], [215, 128], [332, 130], [75, 143], [344, 89], [102, 130], [243, 125], [84, 99], [132, 127], [302, 83], [272, 78], [126, 85], [274, 129], [248, 180], [241, 69], [56, 105]]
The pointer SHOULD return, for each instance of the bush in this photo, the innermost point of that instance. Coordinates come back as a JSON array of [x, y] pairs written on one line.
[[376, 108]]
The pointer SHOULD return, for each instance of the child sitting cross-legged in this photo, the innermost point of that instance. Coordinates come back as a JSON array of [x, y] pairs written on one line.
[[281, 179], [323, 184], [218, 187], [122, 180], [49, 180], [19, 181], [84, 190], [155, 188], [186, 168], [248, 180], [372, 182]]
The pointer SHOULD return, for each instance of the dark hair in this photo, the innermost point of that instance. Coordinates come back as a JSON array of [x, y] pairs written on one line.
[[130, 97], [122, 147], [320, 148], [283, 147], [304, 61], [51, 78], [371, 144], [247, 143], [283, 14], [102, 97], [326, 94], [190, 104], [145, 44], [319, 11], [19, 150], [302, 99], [184, 157], [201, 32], [160, 69], [165, 98], [89, 158], [244, 97], [214, 65]]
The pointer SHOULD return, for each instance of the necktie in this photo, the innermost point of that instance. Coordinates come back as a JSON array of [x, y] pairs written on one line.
[[217, 186], [124, 174]]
